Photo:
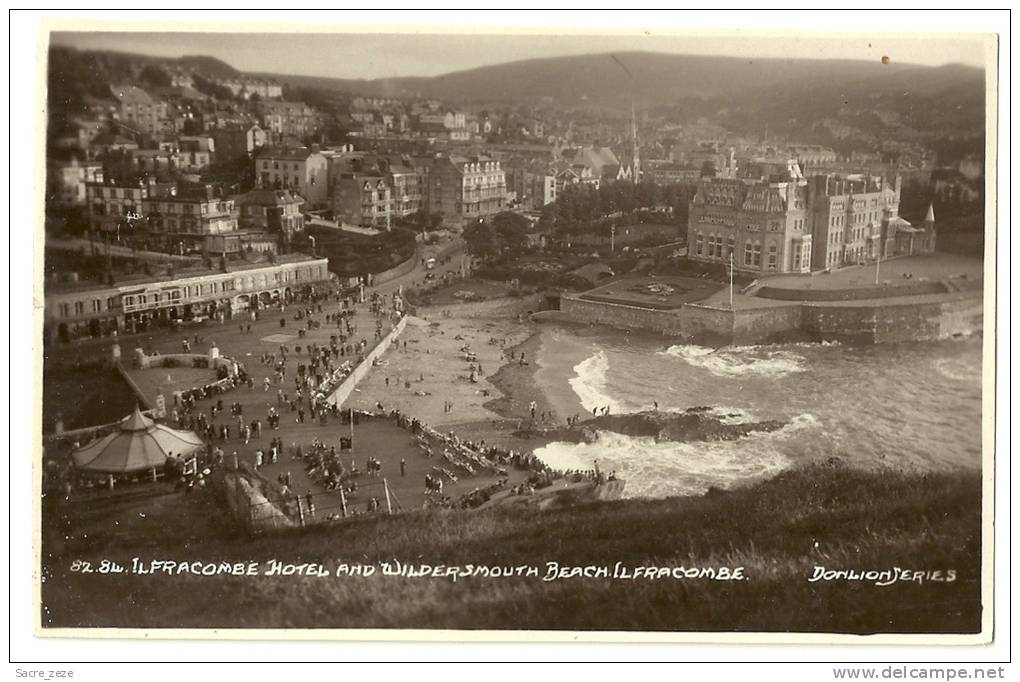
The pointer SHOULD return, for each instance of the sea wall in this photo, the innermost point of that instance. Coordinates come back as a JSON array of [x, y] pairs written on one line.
[[919, 318], [621, 316], [927, 319], [347, 386], [774, 324]]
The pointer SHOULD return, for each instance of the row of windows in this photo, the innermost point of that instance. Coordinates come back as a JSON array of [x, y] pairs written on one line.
[[266, 178], [858, 233], [715, 246], [96, 305], [857, 219], [120, 192], [718, 248], [276, 165]]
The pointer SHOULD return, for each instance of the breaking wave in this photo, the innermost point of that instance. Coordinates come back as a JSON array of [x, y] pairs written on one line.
[[590, 383], [959, 370], [740, 360], [663, 468]]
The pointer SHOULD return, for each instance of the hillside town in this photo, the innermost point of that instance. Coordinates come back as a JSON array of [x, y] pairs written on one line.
[[292, 303], [175, 159]]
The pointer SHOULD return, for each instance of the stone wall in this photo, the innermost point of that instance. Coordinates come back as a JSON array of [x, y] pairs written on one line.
[[396, 271], [347, 386], [927, 319], [621, 316], [922, 318], [857, 294], [774, 324]]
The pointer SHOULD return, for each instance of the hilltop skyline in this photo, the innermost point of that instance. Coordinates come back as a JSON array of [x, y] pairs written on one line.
[[371, 56]]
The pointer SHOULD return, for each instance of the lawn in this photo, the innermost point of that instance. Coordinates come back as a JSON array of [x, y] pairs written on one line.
[[662, 293]]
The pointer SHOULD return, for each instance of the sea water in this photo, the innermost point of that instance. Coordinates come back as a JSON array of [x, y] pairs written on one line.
[[904, 406]]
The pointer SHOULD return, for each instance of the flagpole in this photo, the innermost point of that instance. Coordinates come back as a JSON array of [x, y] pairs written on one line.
[[731, 280]]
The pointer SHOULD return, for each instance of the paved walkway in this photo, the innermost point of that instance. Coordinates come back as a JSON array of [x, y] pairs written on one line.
[[933, 267], [380, 439]]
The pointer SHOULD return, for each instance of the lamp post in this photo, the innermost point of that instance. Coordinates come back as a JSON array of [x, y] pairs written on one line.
[[878, 263]]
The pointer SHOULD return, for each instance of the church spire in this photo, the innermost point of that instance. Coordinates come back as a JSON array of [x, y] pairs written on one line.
[[929, 218], [636, 151]]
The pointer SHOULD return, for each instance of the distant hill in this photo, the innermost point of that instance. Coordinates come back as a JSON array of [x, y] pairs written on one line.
[[742, 94], [209, 66], [657, 78]]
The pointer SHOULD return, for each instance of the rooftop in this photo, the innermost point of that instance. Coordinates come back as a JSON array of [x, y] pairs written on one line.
[[123, 280], [287, 154], [267, 197]]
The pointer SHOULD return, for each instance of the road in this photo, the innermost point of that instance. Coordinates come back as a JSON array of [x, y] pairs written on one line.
[[451, 248], [79, 245]]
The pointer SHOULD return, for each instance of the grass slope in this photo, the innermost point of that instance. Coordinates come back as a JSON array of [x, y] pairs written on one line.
[[778, 530]]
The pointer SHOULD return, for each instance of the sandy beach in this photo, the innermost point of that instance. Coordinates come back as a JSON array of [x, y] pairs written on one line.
[[427, 372]]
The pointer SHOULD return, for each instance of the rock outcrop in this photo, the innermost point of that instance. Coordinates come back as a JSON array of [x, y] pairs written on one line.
[[694, 424]]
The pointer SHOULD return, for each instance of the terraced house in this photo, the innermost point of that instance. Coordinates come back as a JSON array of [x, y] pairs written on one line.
[[465, 189], [302, 170], [193, 219]]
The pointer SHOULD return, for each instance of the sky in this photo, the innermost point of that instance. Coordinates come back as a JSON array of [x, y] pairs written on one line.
[[361, 55]]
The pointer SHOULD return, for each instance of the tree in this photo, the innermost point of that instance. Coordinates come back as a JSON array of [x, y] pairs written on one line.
[[481, 239], [156, 77], [511, 231], [214, 90]]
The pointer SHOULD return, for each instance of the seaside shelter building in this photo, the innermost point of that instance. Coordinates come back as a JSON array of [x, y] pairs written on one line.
[[76, 309]]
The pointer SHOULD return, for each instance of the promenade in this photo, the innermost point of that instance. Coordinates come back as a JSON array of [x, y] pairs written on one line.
[[382, 440]]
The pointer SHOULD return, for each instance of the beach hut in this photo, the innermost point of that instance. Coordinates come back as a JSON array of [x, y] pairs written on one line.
[[138, 444]]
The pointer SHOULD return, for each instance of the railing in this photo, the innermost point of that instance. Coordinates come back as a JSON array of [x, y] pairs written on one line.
[[298, 511]]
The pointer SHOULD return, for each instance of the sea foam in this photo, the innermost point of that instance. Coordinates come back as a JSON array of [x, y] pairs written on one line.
[[740, 360], [662, 468], [590, 383]]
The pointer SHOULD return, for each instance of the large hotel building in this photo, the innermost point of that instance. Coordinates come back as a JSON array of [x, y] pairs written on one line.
[[774, 220]]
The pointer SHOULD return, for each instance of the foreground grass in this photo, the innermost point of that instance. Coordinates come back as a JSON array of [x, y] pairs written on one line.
[[778, 530]]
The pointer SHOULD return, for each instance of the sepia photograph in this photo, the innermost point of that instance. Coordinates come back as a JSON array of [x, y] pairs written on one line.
[[389, 334]]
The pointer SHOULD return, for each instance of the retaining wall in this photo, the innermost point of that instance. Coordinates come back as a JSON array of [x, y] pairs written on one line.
[[621, 316], [347, 386], [396, 271], [860, 294], [922, 318]]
